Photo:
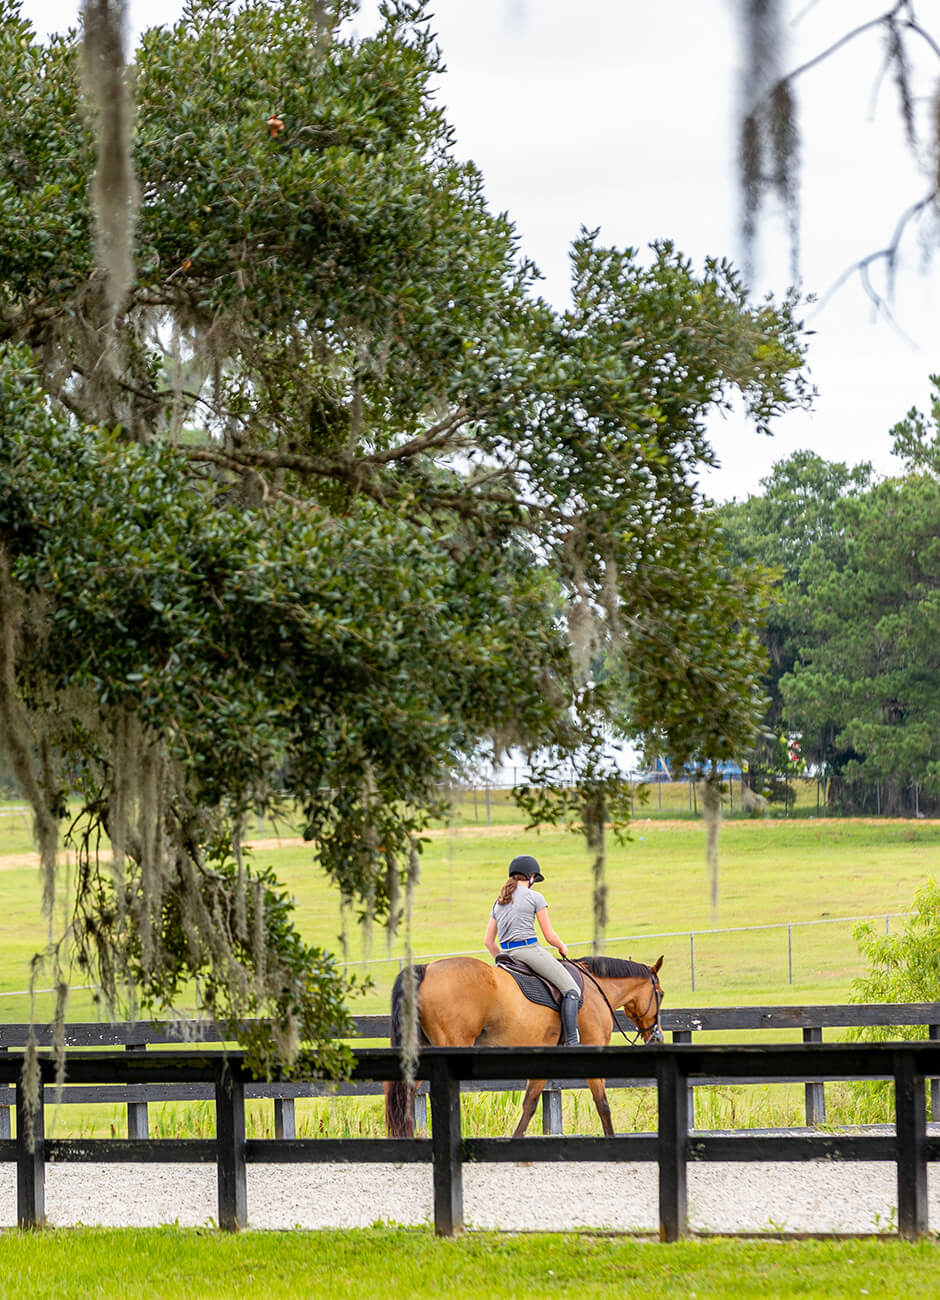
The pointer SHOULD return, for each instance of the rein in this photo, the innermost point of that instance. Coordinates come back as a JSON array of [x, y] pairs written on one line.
[[613, 1015]]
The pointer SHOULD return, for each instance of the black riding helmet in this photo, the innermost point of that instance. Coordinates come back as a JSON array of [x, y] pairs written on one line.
[[526, 866]]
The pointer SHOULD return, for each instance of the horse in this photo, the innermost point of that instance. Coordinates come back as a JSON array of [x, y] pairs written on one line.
[[465, 1002]]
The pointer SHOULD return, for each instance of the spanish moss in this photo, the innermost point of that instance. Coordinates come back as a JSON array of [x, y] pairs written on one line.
[[409, 1038], [711, 812], [768, 149], [595, 833], [114, 189]]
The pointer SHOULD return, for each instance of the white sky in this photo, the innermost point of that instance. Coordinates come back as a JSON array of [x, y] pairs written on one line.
[[620, 114]]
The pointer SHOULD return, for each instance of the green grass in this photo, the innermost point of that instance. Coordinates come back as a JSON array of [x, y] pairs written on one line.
[[783, 870], [793, 870], [633, 1110], [404, 1263]]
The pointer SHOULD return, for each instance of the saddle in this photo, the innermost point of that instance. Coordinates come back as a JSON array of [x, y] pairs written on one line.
[[535, 988]]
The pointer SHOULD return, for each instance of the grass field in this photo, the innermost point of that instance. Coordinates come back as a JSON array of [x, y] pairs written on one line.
[[783, 870], [772, 873], [406, 1264], [803, 871]]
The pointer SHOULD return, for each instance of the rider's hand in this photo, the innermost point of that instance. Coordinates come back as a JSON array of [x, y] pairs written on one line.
[[563, 951]]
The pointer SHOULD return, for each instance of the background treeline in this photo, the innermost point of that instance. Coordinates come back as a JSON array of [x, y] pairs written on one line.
[[853, 628]]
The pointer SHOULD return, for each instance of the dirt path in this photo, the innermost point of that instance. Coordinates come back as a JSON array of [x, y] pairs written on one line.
[[17, 861], [806, 1197]]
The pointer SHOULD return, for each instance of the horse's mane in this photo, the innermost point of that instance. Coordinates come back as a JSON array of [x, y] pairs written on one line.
[[616, 968]]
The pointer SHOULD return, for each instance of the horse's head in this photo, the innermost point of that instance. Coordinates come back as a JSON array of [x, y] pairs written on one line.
[[644, 1004]]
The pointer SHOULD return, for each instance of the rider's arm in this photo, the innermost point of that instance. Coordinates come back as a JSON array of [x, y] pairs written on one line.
[[489, 938], [550, 935]]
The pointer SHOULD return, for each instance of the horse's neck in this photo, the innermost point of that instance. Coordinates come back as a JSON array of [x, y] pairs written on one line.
[[621, 991]]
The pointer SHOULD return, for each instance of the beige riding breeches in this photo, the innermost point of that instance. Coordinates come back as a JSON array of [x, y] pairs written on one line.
[[543, 963]]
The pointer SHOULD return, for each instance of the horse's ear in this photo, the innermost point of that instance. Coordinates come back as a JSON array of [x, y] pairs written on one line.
[[659, 961]]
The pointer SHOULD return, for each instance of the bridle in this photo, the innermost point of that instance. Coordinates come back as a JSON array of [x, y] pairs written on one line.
[[656, 1033], [656, 993]]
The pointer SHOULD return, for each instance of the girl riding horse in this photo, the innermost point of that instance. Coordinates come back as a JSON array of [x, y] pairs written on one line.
[[512, 923]]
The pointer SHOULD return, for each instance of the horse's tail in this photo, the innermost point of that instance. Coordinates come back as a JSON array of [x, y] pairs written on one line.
[[399, 1096]]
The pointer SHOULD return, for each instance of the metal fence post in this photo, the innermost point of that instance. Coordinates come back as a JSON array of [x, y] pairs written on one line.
[[551, 1109], [421, 1108], [790, 951], [911, 1129], [445, 1150], [137, 1120], [692, 959], [5, 1128], [30, 1161], [815, 1092], [285, 1125], [230, 1147], [673, 1140]]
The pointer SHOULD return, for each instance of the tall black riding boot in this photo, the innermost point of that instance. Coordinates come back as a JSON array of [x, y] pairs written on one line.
[[569, 1018]]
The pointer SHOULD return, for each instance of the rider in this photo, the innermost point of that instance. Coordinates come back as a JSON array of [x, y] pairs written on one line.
[[512, 922]]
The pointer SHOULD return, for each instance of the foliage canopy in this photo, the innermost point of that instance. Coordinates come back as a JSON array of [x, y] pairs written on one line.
[[306, 496], [853, 630]]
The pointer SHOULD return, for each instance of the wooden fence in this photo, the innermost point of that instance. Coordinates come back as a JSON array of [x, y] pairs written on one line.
[[672, 1146], [682, 1024]]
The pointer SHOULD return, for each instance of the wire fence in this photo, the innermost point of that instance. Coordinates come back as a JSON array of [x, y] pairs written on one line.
[[383, 970]]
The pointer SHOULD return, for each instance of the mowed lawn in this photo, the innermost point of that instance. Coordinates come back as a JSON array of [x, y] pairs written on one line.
[[772, 873], [406, 1264]]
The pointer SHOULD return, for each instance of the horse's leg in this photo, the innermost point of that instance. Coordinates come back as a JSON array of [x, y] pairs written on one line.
[[599, 1093], [532, 1093]]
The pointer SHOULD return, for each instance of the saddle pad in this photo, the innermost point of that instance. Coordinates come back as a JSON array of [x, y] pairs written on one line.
[[534, 987]]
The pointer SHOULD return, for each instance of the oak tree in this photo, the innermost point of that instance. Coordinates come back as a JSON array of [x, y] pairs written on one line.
[[307, 498]]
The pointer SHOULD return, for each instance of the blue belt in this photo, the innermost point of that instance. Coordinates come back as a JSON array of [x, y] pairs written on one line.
[[519, 943]]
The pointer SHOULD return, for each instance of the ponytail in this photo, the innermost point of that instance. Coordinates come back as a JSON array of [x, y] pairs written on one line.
[[507, 891]]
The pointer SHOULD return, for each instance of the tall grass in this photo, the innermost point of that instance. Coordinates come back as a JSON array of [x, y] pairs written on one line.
[[633, 1110]]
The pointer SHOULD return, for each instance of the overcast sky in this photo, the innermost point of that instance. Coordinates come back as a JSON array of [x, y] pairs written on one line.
[[620, 114]]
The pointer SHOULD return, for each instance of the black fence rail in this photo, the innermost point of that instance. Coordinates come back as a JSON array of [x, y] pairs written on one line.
[[672, 1147], [681, 1023]]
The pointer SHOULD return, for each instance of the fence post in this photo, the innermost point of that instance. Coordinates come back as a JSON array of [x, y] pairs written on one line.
[[137, 1121], [911, 1129], [421, 1108], [790, 951], [30, 1164], [673, 1140], [486, 791], [815, 1092], [685, 1036], [5, 1130], [230, 1150], [551, 1109], [445, 1150], [692, 958], [933, 1033], [284, 1122]]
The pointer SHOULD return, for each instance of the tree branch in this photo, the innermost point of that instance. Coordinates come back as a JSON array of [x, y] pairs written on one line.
[[431, 437]]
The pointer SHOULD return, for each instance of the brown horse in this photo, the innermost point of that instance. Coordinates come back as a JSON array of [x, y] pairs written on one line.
[[463, 1001]]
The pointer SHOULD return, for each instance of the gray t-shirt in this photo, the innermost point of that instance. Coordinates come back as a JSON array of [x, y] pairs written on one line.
[[515, 920]]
